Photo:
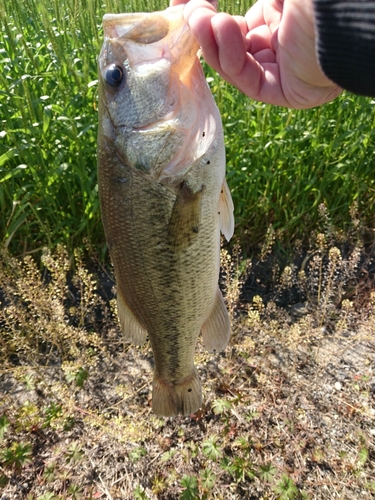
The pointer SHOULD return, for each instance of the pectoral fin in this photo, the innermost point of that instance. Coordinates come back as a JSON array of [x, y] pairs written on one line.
[[130, 326], [226, 207], [185, 221], [216, 328]]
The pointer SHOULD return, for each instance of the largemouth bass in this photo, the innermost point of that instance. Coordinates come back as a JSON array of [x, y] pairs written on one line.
[[163, 195]]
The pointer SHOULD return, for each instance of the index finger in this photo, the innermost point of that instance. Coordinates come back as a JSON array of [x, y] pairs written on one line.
[[199, 14], [254, 16], [267, 12]]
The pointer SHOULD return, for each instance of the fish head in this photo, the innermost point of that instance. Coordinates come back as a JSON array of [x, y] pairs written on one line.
[[140, 56]]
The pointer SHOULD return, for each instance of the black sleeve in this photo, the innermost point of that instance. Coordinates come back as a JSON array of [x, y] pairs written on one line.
[[346, 43]]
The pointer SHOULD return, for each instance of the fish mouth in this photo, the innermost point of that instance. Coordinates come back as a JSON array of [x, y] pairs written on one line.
[[164, 34], [140, 27]]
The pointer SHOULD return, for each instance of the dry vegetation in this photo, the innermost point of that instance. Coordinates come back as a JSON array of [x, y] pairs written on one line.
[[288, 407]]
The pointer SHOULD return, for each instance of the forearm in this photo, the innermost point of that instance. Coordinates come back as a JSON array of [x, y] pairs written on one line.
[[346, 43]]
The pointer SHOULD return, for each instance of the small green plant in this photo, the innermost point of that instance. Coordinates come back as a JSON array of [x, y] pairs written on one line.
[[139, 493], [52, 412], [79, 377], [370, 486], [318, 455], [285, 488], [251, 415], [28, 417], [4, 425], [75, 492], [191, 491], [29, 382], [193, 449], [245, 444], [159, 484], [241, 469], [48, 496], [68, 423], [211, 448], [167, 455], [137, 453], [267, 472], [363, 456], [17, 456], [74, 453], [220, 406], [49, 472], [4, 480], [207, 479]]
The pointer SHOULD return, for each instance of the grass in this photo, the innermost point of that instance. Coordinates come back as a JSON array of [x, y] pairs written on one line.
[[48, 187], [281, 163], [286, 163]]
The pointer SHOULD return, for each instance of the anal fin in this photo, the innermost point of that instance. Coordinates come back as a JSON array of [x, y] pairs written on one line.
[[130, 326], [216, 328], [226, 207]]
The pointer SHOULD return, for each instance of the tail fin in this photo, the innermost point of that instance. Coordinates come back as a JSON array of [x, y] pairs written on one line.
[[169, 399]]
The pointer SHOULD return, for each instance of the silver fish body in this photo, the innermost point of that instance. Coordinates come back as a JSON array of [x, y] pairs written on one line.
[[163, 195]]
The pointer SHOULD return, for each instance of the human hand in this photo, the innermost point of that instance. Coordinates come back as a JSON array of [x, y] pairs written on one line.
[[269, 54]]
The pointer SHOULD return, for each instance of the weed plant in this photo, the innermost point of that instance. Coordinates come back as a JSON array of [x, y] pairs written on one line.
[[282, 164], [48, 319]]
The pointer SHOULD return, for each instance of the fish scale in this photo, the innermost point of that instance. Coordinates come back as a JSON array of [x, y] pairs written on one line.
[[161, 195]]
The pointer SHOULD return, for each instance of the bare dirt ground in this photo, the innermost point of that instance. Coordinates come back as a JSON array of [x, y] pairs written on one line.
[[288, 407]]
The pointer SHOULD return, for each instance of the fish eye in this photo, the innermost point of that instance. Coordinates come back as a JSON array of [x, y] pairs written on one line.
[[114, 75]]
